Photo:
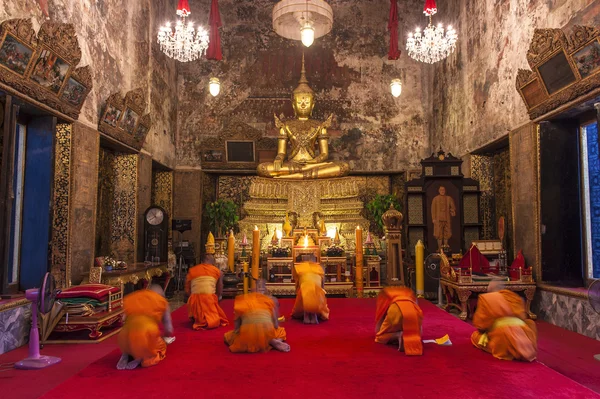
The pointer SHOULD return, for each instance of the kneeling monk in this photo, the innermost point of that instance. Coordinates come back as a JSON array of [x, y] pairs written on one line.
[[503, 328], [256, 325], [140, 339], [311, 303], [399, 319], [204, 285]]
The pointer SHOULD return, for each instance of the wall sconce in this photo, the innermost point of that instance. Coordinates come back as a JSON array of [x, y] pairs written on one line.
[[396, 87], [214, 86]]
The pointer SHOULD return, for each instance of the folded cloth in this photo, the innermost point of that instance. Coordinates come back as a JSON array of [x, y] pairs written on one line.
[[93, 291]]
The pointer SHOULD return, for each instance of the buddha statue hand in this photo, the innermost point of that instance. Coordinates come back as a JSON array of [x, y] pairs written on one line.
[[277, 164]]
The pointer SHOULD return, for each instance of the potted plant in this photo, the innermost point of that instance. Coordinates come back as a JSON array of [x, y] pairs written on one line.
[[222, 216], [378, 206]]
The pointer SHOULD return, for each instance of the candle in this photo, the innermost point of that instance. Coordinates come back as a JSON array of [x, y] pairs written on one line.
[[255, 256], [245, 266], [359, 263], [231, 251], [420, 268]]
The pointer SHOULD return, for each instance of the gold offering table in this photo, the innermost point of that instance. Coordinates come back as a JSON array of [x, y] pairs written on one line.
[[458, 293], [134, 273]]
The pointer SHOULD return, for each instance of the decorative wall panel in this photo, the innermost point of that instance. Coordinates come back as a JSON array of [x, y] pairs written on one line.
[[503, 197], [117, 204], [482, 170], [415, 209], [60, 262], [162, 191], [575, 314]]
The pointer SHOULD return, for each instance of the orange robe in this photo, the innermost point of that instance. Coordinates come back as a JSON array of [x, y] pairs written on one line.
[[310, 296], [203, 303], [397, 310], [141, 337], [255, 324], [503, 328]]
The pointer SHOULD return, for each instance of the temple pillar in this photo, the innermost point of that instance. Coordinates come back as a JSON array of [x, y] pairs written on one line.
[[85, 147]]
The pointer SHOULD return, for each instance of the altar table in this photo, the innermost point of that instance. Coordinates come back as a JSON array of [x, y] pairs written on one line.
[[134, 273], [458, 294], [111, 322]]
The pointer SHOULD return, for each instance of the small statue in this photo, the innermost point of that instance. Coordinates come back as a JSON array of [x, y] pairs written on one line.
[[302, 134]]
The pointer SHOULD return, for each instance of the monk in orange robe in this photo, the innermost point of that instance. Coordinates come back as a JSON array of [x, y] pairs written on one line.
[[204, 285], [140, 339], [399, 320], [503, 328], [311, 303], [256, 325]]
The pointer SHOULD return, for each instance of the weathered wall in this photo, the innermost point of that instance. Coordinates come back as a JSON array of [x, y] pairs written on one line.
[[348, 69], [473, 92], [117, 40], [187, 204]]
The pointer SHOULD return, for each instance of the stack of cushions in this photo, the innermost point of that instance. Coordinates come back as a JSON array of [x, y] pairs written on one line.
[[90, 299]]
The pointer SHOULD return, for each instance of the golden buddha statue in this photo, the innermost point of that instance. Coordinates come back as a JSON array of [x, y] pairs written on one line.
[[302, 134]]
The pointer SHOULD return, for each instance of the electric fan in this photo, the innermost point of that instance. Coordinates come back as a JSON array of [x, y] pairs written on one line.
[[42, 300], [594, 299]]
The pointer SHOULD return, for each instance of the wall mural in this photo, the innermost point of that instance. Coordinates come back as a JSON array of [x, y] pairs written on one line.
[[43, 67], [60, 263], [117, 193]]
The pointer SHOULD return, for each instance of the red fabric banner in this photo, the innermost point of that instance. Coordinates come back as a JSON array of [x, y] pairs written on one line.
[[430, 7], [394, 52], [183, 8], [214, 39]]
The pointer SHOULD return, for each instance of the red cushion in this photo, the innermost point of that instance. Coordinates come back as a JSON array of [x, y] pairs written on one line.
[[94, 291]]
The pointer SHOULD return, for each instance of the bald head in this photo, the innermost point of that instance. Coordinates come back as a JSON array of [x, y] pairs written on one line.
[[157, 288], [495, 285], [208, 259]]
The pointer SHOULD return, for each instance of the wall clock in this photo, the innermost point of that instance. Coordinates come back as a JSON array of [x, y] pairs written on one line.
[[156, 231]]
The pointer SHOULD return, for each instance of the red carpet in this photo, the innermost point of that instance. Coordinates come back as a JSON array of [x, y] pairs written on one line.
[[336, 359]]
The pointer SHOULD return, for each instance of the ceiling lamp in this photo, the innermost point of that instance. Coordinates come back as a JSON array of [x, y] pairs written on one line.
[[185, 43], [214, 86], [304, 20], [433, 44], [396, 87]]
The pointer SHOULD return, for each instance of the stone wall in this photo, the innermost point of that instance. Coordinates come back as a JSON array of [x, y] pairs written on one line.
[[473, 91], [348, 69], [117, 40]]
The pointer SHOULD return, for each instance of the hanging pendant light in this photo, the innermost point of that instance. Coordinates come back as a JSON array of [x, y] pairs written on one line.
[[214, 86], [307, 34], [396, 87], [304, 20]]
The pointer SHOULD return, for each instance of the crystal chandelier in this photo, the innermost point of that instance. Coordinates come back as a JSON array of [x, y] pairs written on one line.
[[185, 43], [433, 44]]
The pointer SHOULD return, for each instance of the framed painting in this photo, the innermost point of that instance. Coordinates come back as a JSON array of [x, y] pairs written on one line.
[[111, 115], [587, 59], [129, 121], [15, 55], [212, 156], [50, 70], [141, 131], [240, 151], [557, 73], [74, 92]]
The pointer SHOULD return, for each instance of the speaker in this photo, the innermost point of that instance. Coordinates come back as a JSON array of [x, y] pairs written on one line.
[[181, 225]]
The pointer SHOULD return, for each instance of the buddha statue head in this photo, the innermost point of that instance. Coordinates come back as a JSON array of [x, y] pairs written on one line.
[[303, 98]]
